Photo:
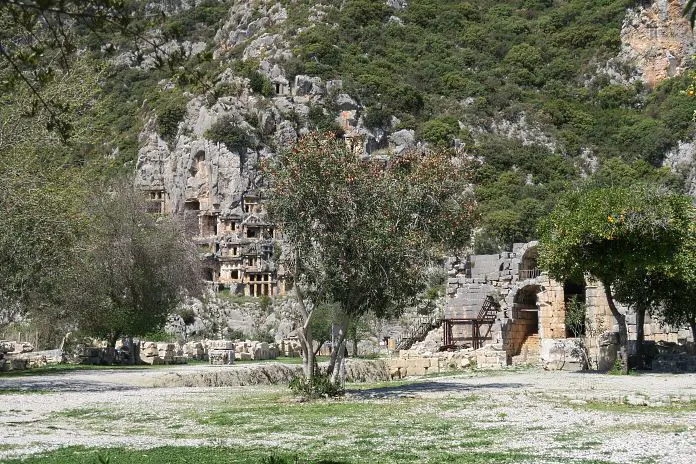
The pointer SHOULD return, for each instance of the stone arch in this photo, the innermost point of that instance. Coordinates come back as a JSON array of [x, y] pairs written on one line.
[[523, 332], [528, 266]]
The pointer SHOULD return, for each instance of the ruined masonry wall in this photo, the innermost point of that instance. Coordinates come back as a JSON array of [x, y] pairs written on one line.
[[505, 277]]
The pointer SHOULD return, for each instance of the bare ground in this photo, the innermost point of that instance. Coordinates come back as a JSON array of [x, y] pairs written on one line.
[[623, 419]]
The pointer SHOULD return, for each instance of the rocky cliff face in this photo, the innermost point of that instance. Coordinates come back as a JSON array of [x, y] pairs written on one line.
[[210, 177], [194, 169], [657, 40]]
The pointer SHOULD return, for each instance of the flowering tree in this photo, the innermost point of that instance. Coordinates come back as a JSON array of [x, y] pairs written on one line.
[[361, 231], [621, 236]]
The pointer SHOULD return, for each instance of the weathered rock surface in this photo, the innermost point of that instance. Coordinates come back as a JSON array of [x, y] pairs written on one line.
[[658, 40]]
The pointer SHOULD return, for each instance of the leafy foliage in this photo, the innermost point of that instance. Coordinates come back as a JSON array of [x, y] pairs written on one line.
[[226, 131], [575, 312], [362, 231], [132, 268], [485, 61], [621, 237], [612, 232], [319, 386]]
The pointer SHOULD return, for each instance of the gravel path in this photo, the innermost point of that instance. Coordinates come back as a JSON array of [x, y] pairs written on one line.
[[544, 405]]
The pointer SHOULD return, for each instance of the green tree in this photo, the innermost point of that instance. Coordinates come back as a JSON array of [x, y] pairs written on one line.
[[41, 222], [43, 188], [132, 267], [38, 40], [615, 235], [361, 231], [677, 282]]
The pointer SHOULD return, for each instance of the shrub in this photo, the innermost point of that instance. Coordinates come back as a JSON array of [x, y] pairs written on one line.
[[170, 112], [260, 83], [188, 316], [320, 386], [226, 131], [440, 131], [376, 117], [235, 334], [575, 316]]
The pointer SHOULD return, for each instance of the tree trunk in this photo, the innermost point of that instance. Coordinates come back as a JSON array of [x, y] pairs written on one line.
[[621, 321], [111, 342], [338, 348], [336, 372], [692, 323], [640, 336], [304, 333]]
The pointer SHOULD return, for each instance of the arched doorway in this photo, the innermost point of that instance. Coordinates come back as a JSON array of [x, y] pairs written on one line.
[[529, 269], [523, 337], [574, 302]]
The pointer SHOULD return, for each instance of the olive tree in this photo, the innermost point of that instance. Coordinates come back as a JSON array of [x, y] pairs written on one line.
[[620, 236], [361, 231], [132, 267]]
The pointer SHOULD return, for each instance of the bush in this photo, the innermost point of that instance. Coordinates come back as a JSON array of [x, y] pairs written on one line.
[[188, 316], [170, 112], [440, 132], [575, 316], [224, 130], [321, 386], [235, 334], [260, 83]]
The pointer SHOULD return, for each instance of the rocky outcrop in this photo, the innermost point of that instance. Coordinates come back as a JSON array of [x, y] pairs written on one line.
[[357, 370], [657, 40], [682, 159]]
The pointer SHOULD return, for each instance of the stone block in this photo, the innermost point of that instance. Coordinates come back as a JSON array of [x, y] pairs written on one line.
[[166, 347], [562, 354], [148, 352], [221, 357], [221, 345], [152, 360], [609, 338], [7, 346], [13, 364]]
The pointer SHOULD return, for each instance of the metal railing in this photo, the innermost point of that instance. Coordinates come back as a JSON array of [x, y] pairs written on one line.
[[529, 273]]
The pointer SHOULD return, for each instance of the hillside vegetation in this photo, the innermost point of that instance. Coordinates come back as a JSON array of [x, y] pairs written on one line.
[[523, 85]]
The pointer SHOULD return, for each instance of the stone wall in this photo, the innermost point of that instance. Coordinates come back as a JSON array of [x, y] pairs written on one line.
[[527, 297]]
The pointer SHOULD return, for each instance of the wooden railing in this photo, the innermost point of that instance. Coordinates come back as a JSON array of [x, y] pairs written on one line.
[[419, 328]]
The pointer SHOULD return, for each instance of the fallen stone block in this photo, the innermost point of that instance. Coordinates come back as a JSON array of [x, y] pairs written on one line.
[[221, 345], [221, 357]]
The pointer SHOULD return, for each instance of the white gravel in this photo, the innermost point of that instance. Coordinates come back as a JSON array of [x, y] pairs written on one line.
[[537, 404]]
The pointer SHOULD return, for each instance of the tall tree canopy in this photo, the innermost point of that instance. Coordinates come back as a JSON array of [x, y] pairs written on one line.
[[362, 230], [619, 236], [132, 267]]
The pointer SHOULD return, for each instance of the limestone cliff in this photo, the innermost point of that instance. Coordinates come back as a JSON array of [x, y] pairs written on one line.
[[657, 40]]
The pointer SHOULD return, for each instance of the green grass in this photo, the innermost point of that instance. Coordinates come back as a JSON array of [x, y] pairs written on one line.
[[219, 454], [637, 409]]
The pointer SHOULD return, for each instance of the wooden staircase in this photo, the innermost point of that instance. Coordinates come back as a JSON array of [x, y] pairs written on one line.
[[481, 325], [417, 331]]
